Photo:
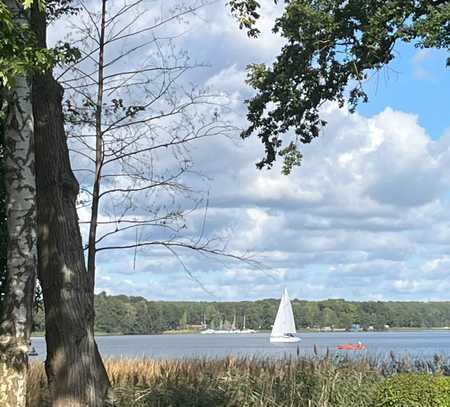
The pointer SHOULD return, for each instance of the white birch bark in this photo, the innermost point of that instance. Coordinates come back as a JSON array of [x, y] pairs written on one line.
[[15, 327]]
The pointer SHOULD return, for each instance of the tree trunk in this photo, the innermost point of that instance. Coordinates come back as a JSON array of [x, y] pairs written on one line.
[[15, 327], [3, 226], [75, 371], [99, 151]]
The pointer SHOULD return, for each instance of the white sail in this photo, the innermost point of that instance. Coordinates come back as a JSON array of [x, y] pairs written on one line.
[[284, 321]]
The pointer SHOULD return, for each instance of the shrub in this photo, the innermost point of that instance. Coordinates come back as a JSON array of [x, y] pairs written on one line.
[[414, 390]]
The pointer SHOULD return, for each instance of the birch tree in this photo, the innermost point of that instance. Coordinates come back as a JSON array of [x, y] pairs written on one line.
[[20, 57], [15, 327], [3, 226]]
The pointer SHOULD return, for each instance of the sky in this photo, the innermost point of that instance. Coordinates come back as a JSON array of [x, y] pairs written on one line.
[[365, 217]]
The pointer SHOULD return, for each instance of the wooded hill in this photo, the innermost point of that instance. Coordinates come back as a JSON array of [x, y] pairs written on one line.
[[136, 315]]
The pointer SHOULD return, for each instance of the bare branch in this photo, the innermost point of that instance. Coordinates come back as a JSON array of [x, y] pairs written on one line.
[[174, 17], [203, 248], [143, 118]]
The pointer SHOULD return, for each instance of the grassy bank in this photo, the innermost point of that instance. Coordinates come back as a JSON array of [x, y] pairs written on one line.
[[240, 382]]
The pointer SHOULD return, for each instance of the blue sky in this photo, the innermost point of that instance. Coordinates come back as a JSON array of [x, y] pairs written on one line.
[[417, 82], [367, 216]]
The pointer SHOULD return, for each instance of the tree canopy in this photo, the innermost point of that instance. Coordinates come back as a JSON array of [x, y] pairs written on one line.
[[136, 315], [331, 48], [19, 51]]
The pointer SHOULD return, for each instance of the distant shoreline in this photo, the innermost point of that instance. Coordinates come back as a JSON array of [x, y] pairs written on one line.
[[39, 334], [122, 313]]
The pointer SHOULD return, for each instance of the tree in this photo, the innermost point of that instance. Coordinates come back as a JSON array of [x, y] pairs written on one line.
[[122, 314], [16, 318], [3, 221], [19, 55], [131, 127], [67, 286], [20, 190], [75, 372], [184, 320], [61, 262], [20, 58], [332, 47]]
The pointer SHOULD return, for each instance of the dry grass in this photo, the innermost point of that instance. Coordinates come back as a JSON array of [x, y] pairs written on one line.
[[37, 386], [243, 382], [309, 382], [248, 382]]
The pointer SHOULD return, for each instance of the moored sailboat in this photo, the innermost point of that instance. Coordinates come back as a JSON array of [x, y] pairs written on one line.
[[245, 330], [283, 330]]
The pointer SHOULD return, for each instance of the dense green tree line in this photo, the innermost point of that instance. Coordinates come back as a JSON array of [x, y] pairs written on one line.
[[136, 315]]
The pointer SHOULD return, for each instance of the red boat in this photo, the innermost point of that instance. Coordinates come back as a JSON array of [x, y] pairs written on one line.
[[352, 346]]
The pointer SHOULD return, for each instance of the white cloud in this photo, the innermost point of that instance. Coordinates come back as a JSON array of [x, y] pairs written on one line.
[[366, 216], [325, 223], [330, 229]]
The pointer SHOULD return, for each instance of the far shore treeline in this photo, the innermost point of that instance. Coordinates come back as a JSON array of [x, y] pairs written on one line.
[[121, 314]]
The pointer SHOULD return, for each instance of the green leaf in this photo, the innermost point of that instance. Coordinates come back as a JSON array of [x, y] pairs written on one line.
[[331, 46]]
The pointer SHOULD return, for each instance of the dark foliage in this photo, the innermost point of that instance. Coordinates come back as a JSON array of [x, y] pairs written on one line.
[[331, 48], [136, 315]]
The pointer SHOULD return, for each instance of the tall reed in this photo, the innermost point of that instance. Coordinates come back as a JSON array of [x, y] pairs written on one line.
[[243, 382]]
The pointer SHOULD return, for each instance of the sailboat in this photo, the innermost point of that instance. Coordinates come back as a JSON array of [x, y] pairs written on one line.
[[245, 330], [283, 329]]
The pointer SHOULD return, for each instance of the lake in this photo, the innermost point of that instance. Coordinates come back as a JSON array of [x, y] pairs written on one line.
[[421, 344]]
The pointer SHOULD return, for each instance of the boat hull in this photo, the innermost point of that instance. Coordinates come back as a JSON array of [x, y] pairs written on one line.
[[284, 339], [351, 346], [247, 331]]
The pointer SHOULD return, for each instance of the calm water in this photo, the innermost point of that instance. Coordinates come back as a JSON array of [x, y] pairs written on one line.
[[415, 343]]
